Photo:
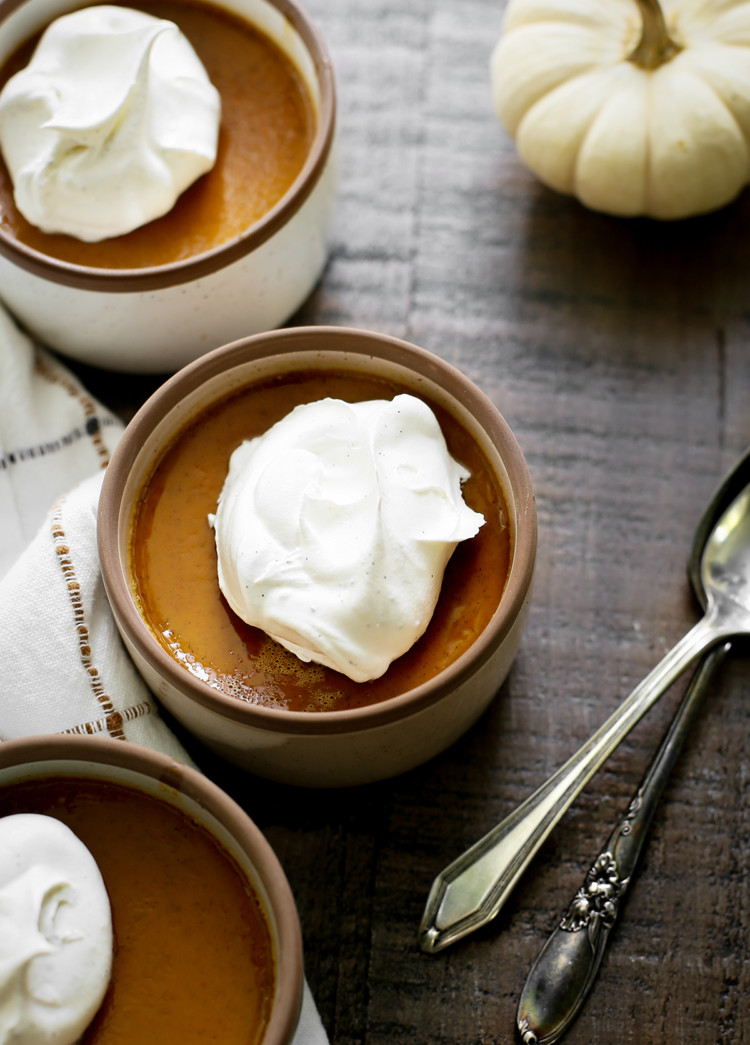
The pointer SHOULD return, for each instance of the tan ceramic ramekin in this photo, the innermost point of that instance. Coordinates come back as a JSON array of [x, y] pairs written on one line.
[[333, 748], [155, 320], [53, 757]]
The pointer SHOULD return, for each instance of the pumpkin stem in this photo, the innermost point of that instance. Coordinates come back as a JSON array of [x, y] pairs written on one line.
[[655, 46]]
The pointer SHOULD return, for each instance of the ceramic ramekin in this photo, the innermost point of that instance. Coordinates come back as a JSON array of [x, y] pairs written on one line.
[[154, 320], [103, 759], [334, 748]]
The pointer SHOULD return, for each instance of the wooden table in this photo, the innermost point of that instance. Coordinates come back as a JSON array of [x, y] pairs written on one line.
[[619, 353]]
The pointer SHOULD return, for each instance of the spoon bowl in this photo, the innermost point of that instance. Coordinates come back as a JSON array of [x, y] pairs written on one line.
[[725, 564], [727, 493], [472, 889]]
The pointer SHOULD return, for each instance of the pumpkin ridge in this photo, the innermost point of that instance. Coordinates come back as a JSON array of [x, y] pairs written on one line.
[[600, 161], [711, 164], [741, 133], [553, 157], [705, 74]]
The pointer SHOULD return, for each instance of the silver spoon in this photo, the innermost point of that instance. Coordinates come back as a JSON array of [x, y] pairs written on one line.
[[471, 890], [562, 976]]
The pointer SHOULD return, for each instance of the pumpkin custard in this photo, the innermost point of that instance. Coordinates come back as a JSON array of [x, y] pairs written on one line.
[[173, 559], [193, 960], [267, 128]]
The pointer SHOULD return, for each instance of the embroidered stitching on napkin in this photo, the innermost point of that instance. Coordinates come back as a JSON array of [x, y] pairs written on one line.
[[53, 434], [64, 663]]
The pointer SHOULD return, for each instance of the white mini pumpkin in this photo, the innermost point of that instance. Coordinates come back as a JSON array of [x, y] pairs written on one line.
[[633, 109]]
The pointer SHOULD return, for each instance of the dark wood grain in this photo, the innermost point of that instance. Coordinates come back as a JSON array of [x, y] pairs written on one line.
[[619, 352]]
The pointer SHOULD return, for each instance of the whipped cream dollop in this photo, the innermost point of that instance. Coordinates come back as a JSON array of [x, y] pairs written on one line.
[[55, 933], [334, 528], [112, 119]]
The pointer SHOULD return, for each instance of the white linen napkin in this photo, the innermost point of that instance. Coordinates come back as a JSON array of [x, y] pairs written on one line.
[[63, 667]]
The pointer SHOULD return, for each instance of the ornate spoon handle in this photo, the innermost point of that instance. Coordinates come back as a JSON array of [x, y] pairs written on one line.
[[562, 976], [471, 890]]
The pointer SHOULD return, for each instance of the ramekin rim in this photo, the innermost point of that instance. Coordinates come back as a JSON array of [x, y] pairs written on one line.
[[151, 763], [158, 277], [369, 716]]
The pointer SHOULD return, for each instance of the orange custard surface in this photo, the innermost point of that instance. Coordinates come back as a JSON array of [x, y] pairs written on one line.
[[267, 127], [173, 559], [193, 960]]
